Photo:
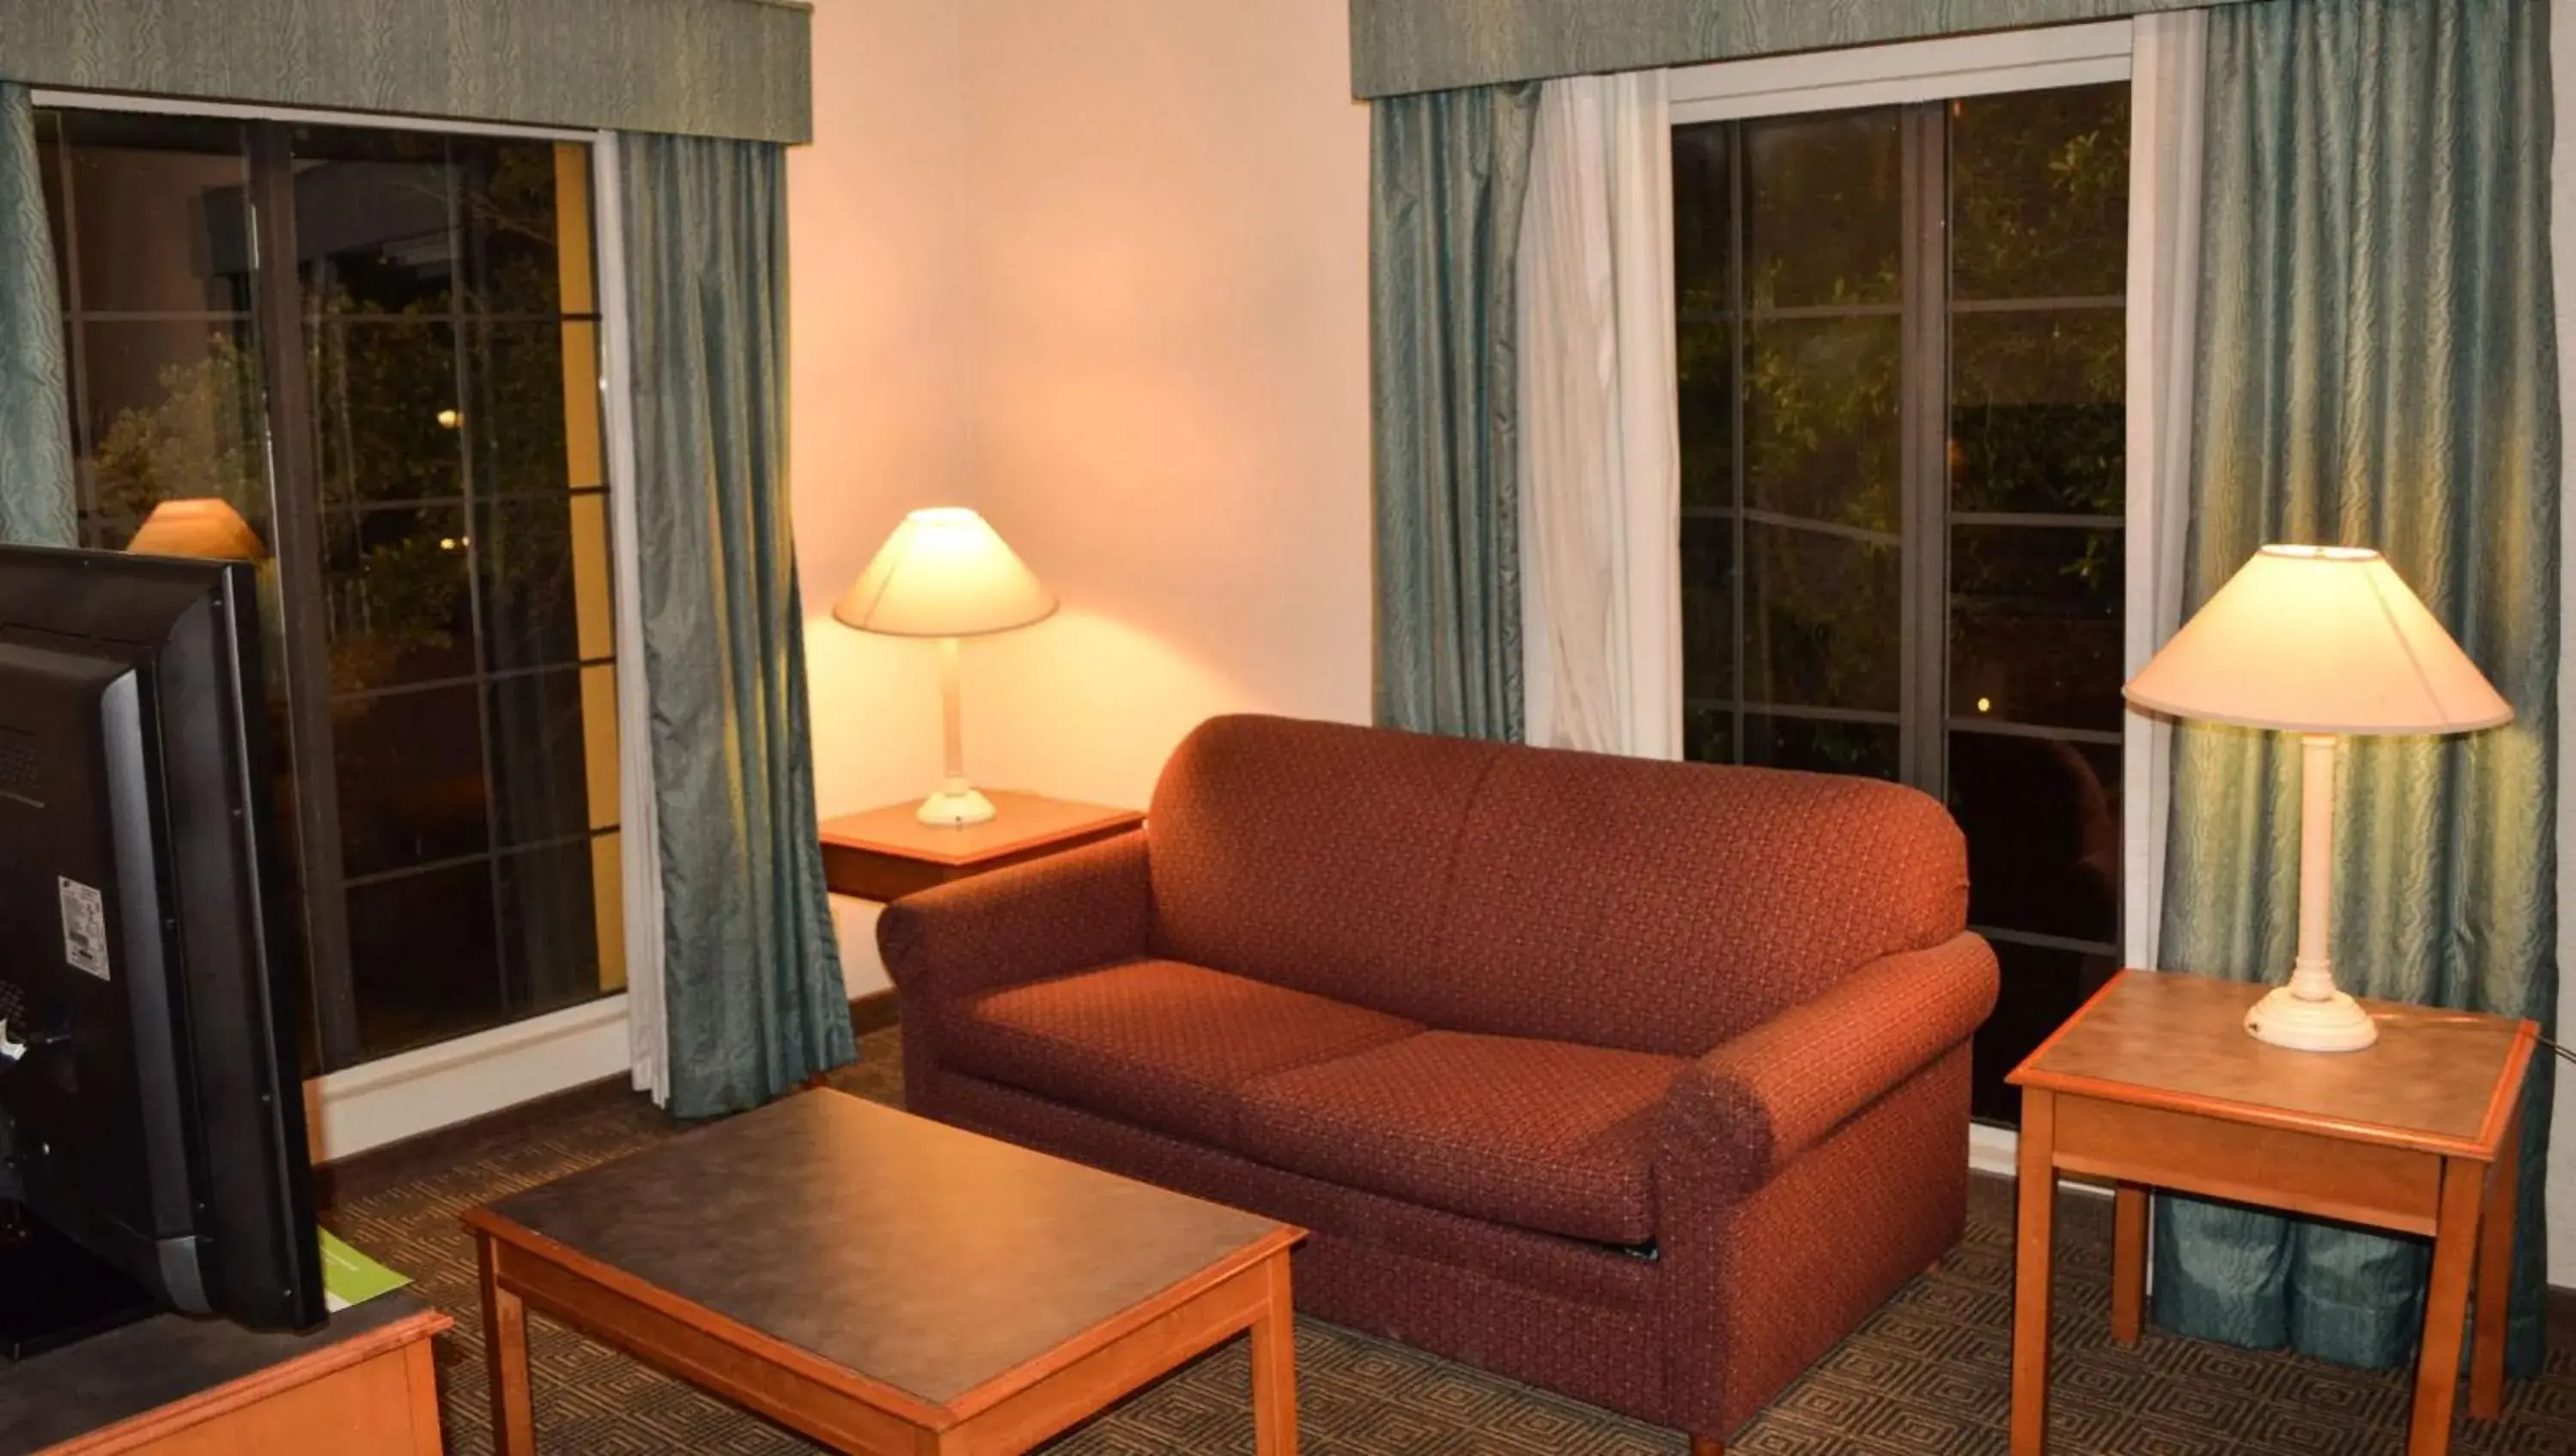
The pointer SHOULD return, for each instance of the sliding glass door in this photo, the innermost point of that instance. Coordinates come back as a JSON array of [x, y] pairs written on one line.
[[1902, 377], [379, 349]]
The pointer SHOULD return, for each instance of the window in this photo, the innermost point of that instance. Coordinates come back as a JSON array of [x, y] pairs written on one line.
[[381, 348], [1902, 433]]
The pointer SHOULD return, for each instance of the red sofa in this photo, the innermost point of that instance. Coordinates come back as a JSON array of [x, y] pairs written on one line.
[[1644, 1082]]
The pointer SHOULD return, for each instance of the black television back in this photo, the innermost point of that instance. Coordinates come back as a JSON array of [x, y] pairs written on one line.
[[151, 1110]]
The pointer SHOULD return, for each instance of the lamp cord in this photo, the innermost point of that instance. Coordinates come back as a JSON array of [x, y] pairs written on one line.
[[2439, 1018]]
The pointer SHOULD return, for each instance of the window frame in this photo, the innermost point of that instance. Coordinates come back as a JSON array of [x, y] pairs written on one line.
[[300, 511], [1912, 78]]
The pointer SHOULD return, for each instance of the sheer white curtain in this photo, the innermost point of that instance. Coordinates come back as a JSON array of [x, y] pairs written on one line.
[[640, 840], [2168, 56], [1600, 487]]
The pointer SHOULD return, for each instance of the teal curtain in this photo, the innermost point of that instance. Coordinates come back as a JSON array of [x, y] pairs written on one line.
[[38, 505], [752, 979], [728, 68], [1401, 46], [1447, 175], [2376, 367]]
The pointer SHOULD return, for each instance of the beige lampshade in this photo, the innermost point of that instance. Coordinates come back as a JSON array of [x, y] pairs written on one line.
[[2319, 639], [206, 528], [944, 573]]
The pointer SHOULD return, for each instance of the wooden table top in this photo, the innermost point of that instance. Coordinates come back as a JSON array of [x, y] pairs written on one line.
[[918, 1256], [172, 1360], [2436, 1080], [1021, 822]]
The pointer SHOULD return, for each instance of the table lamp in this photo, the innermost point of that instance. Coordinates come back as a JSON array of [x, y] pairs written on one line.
[[945, 574], [2319, 641]]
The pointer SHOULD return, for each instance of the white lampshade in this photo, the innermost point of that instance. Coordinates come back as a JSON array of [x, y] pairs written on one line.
[[2319, 639], [207, 528], [944, 573]]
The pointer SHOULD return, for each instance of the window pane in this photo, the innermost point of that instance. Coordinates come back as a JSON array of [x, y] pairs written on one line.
[[508, 208], [411, 778], [514, 420], [1820, 419], [1706, 359], [2039, 187], [1703, 224], [159, 216], [2035, 634], [2043, 824], [540, 768], [1821, 746], [399, 608], [2042, 986], [1822, 619], [2037, 420], [1708, 735], [373, 222], [549, 942], [174, 411], [385, 411], [1825, 205], [526, 563], [422, 958], [1708, 607]]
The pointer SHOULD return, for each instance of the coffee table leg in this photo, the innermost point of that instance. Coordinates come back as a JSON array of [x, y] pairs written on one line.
[[2446, 1308], [2495, 1279], [2033, 1237], [2128, 1262], [505, 1359], [1274, 1368]]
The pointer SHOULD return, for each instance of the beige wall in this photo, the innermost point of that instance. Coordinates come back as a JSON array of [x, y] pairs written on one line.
[[879, 374], [1099, 270], [1170, 262]]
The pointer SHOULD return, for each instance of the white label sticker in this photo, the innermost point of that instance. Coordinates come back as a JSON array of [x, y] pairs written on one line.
[[84, 928]]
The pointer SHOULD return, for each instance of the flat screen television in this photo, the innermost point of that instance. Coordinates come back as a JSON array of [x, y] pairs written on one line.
[[152, 1136]]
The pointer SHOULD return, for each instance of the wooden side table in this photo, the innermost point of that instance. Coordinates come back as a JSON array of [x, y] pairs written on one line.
[[2155, 1084], [886, 854]]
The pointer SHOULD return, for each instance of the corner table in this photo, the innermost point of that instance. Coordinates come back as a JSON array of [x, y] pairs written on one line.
[[2154, 1083], [885, 854]]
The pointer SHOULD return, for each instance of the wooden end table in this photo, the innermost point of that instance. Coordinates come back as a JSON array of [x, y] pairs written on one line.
[[883, 1283], [885, 854], [2154, 1083]]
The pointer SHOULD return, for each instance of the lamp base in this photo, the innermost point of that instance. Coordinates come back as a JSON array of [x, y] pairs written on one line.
[[954, 808], [2335, 1024]]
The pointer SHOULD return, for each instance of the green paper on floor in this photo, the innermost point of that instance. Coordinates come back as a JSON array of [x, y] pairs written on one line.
[[349, 1277]]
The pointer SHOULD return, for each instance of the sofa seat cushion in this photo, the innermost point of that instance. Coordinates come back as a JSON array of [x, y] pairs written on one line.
[[1161, 1044], [1541, 1135]]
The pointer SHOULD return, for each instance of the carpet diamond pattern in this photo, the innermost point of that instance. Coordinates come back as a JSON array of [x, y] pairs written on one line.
[[1927, 1376]]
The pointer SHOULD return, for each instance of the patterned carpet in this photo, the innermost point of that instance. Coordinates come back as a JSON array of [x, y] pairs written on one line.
[[1928, 1374]]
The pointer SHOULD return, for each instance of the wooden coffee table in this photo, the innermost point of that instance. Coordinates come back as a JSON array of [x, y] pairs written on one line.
[[2154, 1083], [883, 1283]]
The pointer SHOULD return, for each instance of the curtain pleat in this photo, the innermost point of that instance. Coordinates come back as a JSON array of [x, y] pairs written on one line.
[[752, 977], [38, 492], [1448, 172], [2376, 367]]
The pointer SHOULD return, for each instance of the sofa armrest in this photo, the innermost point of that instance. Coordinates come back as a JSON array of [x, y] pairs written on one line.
[[1746, 1110], [1048, 917]]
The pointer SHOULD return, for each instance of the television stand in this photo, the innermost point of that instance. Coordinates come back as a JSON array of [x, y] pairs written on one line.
[[53, 1292]]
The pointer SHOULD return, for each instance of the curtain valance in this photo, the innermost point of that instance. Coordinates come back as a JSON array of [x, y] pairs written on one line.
[[1400, 46], [725, 68]]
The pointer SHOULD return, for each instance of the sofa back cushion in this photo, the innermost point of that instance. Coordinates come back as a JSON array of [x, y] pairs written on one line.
[[1482, 887]]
